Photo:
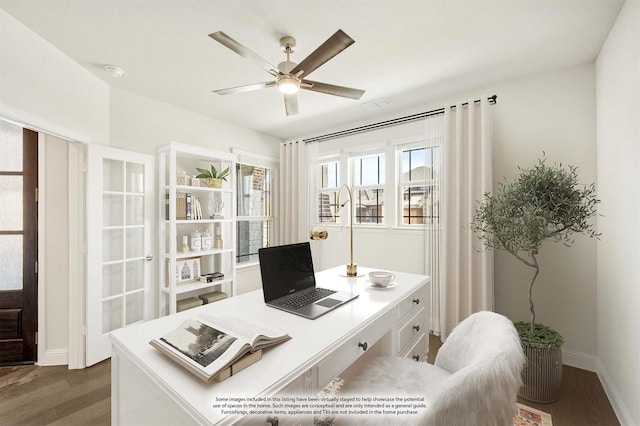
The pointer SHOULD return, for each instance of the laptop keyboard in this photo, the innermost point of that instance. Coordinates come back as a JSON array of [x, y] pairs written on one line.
[[305, 298]]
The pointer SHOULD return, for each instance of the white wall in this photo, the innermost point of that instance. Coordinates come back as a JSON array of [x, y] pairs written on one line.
[[618, 142], [41, 86], [552, 112], [142, 124]]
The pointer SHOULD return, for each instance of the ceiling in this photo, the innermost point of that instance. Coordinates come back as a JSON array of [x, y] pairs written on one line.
[[408, 51]]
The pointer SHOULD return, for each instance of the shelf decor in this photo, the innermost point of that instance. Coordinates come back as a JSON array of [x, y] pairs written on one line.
[[211, 176], [186, 270]]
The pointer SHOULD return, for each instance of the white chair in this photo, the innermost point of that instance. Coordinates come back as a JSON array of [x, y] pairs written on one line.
[[475, 379]]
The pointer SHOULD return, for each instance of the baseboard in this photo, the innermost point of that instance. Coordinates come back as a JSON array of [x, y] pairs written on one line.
[[621, 410], [54, 357], [579, 360]]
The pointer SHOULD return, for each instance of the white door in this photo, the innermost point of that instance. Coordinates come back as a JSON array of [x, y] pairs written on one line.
[[119, 244]]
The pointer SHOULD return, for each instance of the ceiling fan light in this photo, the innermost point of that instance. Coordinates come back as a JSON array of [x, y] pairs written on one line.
[[288, 84]]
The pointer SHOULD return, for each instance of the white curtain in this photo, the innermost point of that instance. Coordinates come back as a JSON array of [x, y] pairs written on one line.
[[466, 271], [434, 136], [295, 206]]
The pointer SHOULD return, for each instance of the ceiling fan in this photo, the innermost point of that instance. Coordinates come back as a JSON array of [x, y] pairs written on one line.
[[289, 76]]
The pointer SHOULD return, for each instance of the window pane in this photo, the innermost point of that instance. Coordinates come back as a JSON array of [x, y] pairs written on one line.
[[420, 205], [406, 155], [112, 175], [135, 307], [11, 146], [111, 315], [11, 196], [135, 177], [135, 243], [329, 175], [112, 245], [369, 206], [327, 207], [369, 170], [111, 279], [416, 164], [11, 265], [252, 235], [135, 209], [254, 191], [134, 275], [112, 206]]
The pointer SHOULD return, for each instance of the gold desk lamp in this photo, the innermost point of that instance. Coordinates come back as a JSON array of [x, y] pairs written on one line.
[[321, 233]]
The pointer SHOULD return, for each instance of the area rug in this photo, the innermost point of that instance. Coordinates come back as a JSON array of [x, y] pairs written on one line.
[[528, 416]]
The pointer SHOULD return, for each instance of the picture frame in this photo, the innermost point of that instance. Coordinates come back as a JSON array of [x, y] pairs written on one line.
[[187, 270]]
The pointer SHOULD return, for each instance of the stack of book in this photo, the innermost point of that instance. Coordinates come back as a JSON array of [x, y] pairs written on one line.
[[183, 206], [187, 208], [214, 276], [188, 303], [214, 296]]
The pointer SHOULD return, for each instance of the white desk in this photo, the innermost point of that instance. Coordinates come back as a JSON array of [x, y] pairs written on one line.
[[148, 388]]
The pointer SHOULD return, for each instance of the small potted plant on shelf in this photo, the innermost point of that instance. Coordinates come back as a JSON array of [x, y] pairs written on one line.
[[543, 203], [212, 177]]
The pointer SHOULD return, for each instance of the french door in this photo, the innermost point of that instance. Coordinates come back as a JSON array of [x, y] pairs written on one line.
[[119, 244], [18, 244]]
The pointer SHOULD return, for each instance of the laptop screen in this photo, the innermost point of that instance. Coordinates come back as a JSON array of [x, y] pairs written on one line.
[[286, 269]]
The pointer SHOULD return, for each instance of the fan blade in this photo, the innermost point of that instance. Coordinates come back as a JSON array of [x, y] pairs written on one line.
[[331, 89], [244, 52], [291, 104], [247, 88], [327, 50]]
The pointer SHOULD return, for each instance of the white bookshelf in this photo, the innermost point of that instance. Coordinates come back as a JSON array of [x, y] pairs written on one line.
[[176, 284]]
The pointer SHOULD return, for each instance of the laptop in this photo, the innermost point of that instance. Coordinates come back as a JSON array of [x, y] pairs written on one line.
[[289, 283]]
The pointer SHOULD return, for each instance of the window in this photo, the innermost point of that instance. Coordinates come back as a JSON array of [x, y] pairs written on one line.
[[419, 184], [255, 214], [394, 183], [368, 174], [329, 180]]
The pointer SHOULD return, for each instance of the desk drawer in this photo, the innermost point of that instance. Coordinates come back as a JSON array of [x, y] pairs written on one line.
[[414, 327], [416, 300], [338, 360], [419, 350]]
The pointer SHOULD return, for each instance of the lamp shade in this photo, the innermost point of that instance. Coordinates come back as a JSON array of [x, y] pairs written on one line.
[[319, 233]]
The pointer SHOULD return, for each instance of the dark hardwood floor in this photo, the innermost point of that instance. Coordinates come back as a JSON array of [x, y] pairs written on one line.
[[32, 395]]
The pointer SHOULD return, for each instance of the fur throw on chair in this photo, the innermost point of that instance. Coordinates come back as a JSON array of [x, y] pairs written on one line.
[[475, 379]]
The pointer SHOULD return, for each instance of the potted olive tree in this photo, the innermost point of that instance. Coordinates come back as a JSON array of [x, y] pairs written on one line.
[[542, 203]]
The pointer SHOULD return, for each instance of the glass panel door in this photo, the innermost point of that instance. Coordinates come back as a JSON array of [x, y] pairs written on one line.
[[18, 244], [119, 244]]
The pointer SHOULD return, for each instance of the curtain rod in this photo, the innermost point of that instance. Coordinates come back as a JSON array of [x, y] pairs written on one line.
[[388, 123]]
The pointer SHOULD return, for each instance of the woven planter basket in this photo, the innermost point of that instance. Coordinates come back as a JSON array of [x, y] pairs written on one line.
[[213, 182], [542, 374]]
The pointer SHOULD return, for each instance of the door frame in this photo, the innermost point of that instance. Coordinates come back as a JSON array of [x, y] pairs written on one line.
[[74, 356]]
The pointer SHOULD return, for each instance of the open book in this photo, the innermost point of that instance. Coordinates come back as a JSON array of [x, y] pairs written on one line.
[[213, 348]]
